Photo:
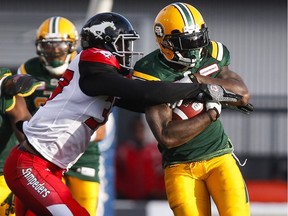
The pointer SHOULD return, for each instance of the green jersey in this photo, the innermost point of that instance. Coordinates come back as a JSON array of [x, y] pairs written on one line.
[[7, 138], [212, 141], [86, 168]]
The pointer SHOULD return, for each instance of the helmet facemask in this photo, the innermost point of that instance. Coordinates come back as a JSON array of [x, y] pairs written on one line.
[[187, 47], [123, 47], [55, 54]]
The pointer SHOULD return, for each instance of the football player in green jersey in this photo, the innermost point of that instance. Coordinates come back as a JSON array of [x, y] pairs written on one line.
[[56, 45], [12, 109], [197, 154]]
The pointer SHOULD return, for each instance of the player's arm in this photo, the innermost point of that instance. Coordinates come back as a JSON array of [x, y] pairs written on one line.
[[175, 133], [105, 80], [231, 81], [19, 112], [102, 79], [131, 105]]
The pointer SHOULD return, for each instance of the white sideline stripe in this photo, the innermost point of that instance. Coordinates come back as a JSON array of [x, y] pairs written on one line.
[[59, 210]]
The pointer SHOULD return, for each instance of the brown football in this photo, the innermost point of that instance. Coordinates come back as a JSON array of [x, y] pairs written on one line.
[[187, 110]]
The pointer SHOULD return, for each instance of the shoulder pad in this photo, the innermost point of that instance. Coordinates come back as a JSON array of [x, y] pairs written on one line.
[[100, 56], [220, 52], [144, 70], [21, 69], [142, 76]]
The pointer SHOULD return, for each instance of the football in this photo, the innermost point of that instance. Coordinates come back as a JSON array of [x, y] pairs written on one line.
[[187, 110]]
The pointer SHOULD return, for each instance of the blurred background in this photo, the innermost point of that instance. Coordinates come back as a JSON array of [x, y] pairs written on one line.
[[255, 32]]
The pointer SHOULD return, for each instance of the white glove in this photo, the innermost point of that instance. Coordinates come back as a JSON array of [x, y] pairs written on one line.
[[214, 106]]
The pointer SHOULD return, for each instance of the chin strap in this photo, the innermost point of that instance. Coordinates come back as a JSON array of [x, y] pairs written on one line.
[[58, 71], [193, 58], [189, 62]]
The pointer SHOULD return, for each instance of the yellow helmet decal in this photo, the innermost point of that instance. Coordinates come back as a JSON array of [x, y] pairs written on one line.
[[190, 16], [54, 25], [57, 28]]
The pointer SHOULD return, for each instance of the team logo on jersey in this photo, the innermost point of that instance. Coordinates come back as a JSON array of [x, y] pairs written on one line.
[[105, 53], [209, 70], [100, 29], [159, 30]]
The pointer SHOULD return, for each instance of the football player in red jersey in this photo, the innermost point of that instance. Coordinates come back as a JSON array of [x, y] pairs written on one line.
[[56, 44], [59, 132], [197, 154]]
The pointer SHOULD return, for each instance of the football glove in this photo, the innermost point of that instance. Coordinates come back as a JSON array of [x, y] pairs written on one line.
[[212, 92], [19, 84], [247, 109], [214, 106], [216, 92]]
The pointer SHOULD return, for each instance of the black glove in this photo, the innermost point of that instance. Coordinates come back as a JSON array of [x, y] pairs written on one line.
[[21, 84], [211, 92], [247, 109]]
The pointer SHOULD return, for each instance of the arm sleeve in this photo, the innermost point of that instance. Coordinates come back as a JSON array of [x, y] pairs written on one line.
[[102, 79], [134, 106]]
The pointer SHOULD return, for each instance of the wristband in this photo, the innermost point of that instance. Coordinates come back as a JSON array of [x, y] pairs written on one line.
[[193, 78]]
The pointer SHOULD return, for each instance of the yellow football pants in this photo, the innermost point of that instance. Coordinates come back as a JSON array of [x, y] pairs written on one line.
[[189, 186], [7, 207], [84, 192]]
